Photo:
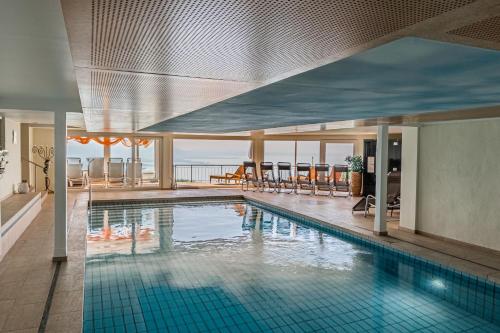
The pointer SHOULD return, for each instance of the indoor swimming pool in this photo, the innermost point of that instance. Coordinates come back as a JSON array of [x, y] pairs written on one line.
[[239, 266]]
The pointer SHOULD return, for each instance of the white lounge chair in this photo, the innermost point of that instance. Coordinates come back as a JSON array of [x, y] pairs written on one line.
[[74, 172], [96, 170], [130, 171], [116, 171]]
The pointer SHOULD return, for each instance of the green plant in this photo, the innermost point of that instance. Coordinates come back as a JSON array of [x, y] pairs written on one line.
[[355, 163]]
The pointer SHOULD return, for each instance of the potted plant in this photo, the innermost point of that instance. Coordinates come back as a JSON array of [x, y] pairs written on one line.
[[356, 166]]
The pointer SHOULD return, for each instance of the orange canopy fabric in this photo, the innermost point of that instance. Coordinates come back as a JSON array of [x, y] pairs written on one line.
[[107, 141]]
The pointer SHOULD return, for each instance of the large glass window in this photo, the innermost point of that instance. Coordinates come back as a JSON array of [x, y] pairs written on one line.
[[308, 152], [336, 153], [209, 160], [284, 151], [213, 152], [148, 157], [91, 149], [120, 150], [279, 151]]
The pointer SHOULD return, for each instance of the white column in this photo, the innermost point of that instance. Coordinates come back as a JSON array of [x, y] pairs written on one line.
[[257, 148], [380, 226], [167, 162], [409, 179], [322, 152], [60, 192]]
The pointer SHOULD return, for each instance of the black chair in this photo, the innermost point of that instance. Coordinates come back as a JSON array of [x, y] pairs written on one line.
[[322, 178], [285, 178], [340, 175], [250, 176], [303, 179], [267, 176], [393, 194]]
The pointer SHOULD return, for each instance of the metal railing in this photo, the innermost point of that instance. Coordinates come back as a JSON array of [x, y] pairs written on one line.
[[200, 173], [38, 167]]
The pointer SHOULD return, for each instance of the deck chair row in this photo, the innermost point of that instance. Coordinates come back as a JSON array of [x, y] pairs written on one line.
[[321, 177], [118, 172]]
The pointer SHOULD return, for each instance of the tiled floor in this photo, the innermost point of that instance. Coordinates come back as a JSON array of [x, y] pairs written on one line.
[[26, 274], [26, 271]]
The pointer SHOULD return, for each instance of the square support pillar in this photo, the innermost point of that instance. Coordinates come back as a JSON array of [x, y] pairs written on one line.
[[257, 148], [409, 179], [167, 176], [60, 190], [380, 225]]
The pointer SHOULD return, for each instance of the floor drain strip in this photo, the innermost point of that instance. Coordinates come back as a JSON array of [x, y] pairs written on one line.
[[48, 303]]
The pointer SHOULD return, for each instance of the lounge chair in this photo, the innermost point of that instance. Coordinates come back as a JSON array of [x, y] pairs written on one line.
[[130, 171], [393, 194], [74, 171], [285, 179], [250, 176], [304, 180], [341, 179], [322, 179], [116, 171], [227, 177], [96, 170], [267, 176]]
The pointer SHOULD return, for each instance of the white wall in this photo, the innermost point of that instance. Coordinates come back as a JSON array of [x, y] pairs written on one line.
[[458, 182], [12, 177]]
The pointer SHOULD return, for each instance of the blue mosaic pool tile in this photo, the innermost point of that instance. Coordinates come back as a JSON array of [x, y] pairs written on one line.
[[175, 290], [475, 295]]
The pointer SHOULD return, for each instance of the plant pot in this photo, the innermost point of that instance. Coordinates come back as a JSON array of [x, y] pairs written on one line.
[[356, 184]]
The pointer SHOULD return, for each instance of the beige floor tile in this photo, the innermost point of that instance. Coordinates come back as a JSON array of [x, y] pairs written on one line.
[[5, 307], [32, 293], [69, 282], [24, 317], [65, 322], [8, 291], [66, 301]]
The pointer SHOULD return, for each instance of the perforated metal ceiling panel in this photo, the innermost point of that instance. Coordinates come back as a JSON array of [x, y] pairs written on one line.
[[136, 100], [229, 41], [488, 30], [244, 40]]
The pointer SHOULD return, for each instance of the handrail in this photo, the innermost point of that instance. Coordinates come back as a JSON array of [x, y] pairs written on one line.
[[35, 164], [29, 161]]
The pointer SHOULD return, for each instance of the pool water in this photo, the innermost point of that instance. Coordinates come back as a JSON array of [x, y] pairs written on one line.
[[239, 267]]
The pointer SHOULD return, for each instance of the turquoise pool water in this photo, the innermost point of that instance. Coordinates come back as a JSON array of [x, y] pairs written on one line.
[[240, 267]]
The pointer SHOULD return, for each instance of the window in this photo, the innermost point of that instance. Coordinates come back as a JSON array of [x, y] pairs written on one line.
[[198, 160], [215, 152], [83, 151], [279, 151], [308, 152], [337, 152], [150, 164], [284, 151], [120, 150]]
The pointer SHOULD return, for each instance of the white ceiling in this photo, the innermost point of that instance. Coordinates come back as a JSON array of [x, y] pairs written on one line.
[[36, 70], [74, 119], [132, 64], [141, 62]]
